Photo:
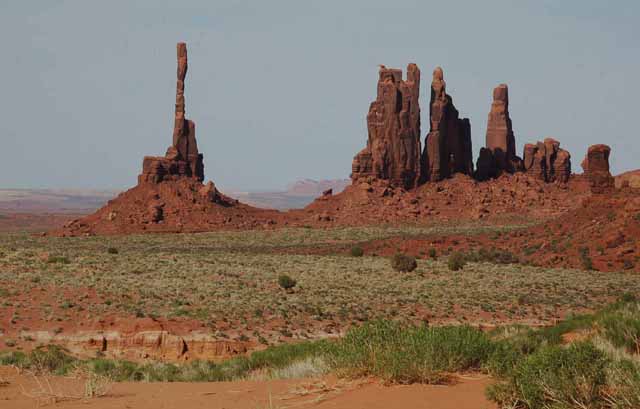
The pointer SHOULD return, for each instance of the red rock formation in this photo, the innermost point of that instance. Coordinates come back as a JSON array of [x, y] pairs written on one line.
[[393, 122], [547, 161], [448, 145], [170, 195], [182, 158], [596, 167], [500, 140]]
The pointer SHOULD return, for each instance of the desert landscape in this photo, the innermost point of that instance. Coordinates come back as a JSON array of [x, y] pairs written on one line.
[[429, 278]]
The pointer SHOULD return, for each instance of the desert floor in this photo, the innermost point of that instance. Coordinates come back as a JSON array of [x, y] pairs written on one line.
[[321, 393]]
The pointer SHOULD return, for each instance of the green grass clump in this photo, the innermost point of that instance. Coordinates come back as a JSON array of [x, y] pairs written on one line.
[[51, 359], [406, 354], [621, 327], [456, 261], [403, 263], [357, 251], [57, 260], [536, 371], [572, 377], [286, 282], [432, 253], [555, 377]]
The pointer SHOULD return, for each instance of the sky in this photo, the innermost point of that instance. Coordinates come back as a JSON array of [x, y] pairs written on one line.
[[279, 90]]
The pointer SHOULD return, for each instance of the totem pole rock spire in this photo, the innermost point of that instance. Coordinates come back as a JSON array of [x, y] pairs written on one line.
[[182, 158]]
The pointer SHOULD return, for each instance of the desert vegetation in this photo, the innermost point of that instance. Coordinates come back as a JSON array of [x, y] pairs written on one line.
[[229, 281], [587, 361], [546, 336]]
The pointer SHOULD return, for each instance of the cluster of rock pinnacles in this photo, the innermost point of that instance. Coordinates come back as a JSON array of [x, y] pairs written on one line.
[[393, 150], [393, 147]]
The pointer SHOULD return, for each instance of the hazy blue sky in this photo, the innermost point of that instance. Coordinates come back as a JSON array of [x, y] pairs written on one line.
[[279, 90]]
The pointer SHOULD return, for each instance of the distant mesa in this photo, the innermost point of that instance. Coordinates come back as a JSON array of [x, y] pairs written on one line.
[[310, 187]]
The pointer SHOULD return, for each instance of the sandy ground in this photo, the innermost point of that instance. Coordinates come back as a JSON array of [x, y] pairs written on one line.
[[322, 393]]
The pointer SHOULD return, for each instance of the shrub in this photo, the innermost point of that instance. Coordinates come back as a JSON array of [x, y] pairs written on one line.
[[556, 377], [404, 263], [406, 354], [356, 251], [50, 359], [456, 261], [432, 252], [621, 326], [112, 250], [57, 259], [286, 282]]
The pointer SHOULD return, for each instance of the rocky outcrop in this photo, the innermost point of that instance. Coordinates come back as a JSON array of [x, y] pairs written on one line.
[[448, 144], [547, 161], [170, 195], [393, 123], [182, 158], [146, 344], [596, 168], [500, 140]]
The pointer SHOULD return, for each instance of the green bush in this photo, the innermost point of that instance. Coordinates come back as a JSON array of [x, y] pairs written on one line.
[[404, 263], [432, 252], [50, 359], [623, 385], [286, 282], [356, 251], [556, 377], [57, 259], [407, 354], [456, 261], [621, 327]]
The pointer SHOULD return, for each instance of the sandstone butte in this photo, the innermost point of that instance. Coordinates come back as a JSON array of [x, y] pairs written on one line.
[[394, 180]]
